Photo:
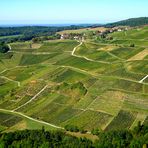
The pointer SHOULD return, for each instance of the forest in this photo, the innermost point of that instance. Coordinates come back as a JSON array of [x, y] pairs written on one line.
[[13, 34], [132, 22], [137, 138]]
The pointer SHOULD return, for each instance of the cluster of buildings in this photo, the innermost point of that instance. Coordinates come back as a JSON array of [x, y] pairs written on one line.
[[100, 33], [119, 29], [114, 29], [71, 36]]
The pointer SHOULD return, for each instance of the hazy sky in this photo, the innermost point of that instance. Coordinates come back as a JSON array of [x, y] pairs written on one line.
[[70, 11]]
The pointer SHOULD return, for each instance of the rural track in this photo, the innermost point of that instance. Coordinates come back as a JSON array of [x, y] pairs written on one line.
[[36, 120], [18, 83], [9, 47], [100, 75], [8, 69], [34, 97], [84, 57], [73, 52], [141, 81], [3, 71], [115, 56]]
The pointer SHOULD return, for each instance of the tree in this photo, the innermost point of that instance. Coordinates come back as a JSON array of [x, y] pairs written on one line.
[[132, 45], [95, 131], [137, 129], [35, 40], [72, 128], [4, 47]]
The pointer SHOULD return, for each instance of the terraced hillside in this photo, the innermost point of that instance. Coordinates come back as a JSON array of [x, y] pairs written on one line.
[[65, 82]]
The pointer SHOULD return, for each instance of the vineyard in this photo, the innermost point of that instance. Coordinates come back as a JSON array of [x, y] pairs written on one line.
[[58, 83]]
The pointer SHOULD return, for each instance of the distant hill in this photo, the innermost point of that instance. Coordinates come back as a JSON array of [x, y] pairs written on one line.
[[130, 22]]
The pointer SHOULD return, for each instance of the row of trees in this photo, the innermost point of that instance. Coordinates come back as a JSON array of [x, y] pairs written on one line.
[[44, 38], [73, 128]]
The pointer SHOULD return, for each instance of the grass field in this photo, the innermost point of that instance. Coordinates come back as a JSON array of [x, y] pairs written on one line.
[[9, 37], [95, 84], [85, 30]]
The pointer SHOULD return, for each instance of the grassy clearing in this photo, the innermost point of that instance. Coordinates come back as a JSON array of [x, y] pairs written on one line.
[[82, 30], [88, 136]]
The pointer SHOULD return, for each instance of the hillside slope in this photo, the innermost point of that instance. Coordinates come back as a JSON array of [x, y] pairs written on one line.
[[88, 84], [130, 22]]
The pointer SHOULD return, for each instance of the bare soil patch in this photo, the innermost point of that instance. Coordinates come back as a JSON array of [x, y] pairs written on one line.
[[139, 56]]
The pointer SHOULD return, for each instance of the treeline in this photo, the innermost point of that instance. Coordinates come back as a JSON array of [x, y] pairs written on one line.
[[28, 33], [45, 38], [35, 30], [137, 138], [133, 22], [42, 139]]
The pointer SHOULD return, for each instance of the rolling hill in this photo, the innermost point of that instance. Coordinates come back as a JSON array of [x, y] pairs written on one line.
[[88, 84], [130, 22]]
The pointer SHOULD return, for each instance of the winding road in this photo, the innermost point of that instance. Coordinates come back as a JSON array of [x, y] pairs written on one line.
[[84, 57]]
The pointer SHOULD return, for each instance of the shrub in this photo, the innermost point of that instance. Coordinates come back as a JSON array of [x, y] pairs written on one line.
[[72, 128], [95, 132], [132, 45]]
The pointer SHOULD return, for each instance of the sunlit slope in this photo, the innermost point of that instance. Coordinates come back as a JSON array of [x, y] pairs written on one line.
[[137, 36], [59, 83]]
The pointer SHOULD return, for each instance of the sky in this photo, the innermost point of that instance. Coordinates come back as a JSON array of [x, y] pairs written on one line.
[[70, 11]]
